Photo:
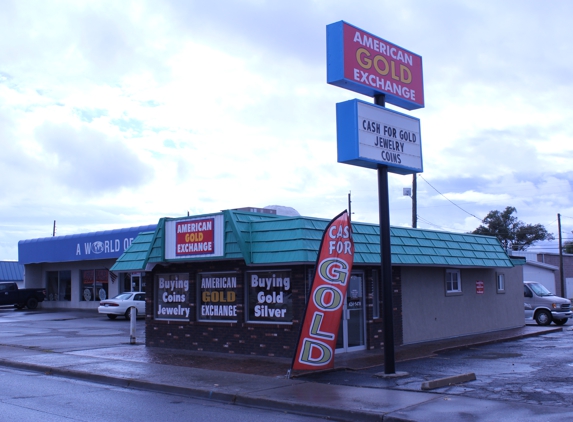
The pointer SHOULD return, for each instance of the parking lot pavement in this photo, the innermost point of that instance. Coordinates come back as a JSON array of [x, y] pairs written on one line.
[[532, 370], [64, 330], [61, 344], [521, 374]]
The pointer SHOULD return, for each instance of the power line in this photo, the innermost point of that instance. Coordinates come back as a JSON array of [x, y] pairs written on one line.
[[423, 220], [469, 213], [456, 205], [428, 222]]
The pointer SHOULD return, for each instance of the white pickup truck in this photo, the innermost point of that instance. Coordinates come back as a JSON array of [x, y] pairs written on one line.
[[543, 306]]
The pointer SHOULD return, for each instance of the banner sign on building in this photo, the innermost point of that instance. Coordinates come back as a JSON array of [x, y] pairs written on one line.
[[364, 63], [217, 296], [171, 297], [368, 135], [194, 237], [317, 342], [269, 296], [108, 244]]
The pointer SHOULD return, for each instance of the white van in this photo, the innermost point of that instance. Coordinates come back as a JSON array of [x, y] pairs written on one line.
[[543, 306]]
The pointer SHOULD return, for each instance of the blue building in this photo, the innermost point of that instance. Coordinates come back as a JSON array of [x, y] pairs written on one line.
[[75, 269]]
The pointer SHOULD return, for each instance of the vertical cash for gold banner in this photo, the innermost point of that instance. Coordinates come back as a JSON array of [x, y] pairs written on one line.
[[317, 342]]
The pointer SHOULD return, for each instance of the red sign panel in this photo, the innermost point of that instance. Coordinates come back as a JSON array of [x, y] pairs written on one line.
[[317, 342], [195, 237], [479, 287], [382, 65], [364, 63]]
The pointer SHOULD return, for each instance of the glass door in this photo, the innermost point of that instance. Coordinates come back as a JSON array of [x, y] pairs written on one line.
[[137, 284], [133, 282], [352, 333]]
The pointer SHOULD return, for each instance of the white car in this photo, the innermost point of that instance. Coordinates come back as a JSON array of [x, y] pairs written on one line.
[[121, 305]]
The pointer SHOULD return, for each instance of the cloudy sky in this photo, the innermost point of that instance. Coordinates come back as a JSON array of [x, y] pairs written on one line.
[[116, 113]]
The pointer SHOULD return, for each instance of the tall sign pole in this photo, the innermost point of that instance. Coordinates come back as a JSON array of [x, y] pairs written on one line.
[[386, 269], [414, 200], [561, 274], [386, 261], [372, 136]]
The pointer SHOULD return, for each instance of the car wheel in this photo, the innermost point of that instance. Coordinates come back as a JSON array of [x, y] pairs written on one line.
[[128, 313], [110, 316], [32, 303], [543, 317], [560, 321]]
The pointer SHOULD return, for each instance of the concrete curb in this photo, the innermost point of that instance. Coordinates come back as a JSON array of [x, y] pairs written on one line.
[[444, 382]]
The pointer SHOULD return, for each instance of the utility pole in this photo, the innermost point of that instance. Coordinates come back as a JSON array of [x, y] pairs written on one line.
[[54, 229], [349, 206], [562, 276]]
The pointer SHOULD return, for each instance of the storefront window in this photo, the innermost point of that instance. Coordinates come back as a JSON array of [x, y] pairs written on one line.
[[217, 297], [94, 285], [269, 296], [171, 294], [59, 285]]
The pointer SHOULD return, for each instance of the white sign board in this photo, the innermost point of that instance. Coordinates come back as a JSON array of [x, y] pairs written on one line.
[[195, 237], [369, 135]]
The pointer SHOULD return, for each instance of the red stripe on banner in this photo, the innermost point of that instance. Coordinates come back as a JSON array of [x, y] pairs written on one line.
[[317, 342]]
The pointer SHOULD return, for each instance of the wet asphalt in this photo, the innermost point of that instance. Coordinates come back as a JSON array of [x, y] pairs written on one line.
[[519, 379], [534, 370]]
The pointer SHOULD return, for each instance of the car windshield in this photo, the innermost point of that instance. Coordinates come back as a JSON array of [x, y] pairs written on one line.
[[123, 296], [540, 289]]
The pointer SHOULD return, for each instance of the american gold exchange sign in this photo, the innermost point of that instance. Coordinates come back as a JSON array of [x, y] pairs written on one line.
[[217, 296]]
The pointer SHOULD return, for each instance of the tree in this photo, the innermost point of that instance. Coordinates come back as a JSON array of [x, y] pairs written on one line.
[[568, 247], [512, 233]]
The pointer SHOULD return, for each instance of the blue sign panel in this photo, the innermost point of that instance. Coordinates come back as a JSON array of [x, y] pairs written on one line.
[[109, 244], [369, 135]]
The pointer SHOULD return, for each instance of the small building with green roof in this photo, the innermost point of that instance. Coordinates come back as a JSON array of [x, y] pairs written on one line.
[[238, 281]]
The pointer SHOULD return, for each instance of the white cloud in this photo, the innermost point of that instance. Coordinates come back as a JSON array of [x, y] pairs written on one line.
[[114, 114]]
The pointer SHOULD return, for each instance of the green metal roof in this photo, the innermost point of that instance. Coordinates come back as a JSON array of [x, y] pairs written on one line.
[[261, 239], [136, 256]]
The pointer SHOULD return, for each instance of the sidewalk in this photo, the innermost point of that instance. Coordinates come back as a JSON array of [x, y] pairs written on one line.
[[261, 382]]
